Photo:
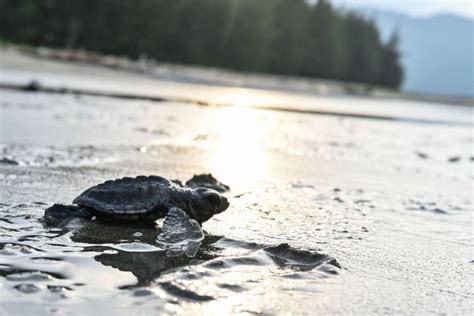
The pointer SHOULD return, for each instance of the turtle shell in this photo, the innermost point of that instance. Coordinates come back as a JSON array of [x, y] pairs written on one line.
[[129, 198]]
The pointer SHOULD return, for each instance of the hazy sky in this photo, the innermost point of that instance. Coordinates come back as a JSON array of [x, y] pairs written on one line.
[[416, 7]]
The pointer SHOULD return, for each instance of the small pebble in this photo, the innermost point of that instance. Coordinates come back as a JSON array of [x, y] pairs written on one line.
[[7, 161], [27, 288], [421, 155], [338, 200], [454, 159]]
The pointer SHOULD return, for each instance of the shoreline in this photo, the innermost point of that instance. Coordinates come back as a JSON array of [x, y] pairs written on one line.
[[35, 87], [232, 78], [20, 70]]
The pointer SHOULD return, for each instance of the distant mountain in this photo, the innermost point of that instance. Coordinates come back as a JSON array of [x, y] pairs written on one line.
[[438, 51]]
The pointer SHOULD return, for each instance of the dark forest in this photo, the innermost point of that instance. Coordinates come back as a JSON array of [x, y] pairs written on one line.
[[290, 37]]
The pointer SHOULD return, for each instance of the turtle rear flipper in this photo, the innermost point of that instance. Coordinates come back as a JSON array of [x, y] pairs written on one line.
[[180, 234], [58, 213]]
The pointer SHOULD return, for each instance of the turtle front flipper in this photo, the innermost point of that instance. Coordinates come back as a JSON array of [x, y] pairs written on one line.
[[58, 213], [180, 234]]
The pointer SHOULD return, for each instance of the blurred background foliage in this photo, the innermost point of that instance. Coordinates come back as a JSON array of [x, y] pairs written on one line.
[[290, 37]]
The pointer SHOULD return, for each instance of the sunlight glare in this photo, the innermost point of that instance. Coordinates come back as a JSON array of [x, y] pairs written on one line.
[[238, 156], [243, 97]]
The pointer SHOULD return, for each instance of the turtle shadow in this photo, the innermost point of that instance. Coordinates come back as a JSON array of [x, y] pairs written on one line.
[[133, 248], [147, 267]]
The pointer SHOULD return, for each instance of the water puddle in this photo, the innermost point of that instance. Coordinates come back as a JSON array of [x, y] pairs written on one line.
[[59, 264]]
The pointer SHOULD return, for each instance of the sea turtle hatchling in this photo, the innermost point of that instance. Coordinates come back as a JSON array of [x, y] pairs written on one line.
[[144, 199]]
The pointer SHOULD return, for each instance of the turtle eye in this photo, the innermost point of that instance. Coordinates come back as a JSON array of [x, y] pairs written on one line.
[[201, 190], [212, 198]]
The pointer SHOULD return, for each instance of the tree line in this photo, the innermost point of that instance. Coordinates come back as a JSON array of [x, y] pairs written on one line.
[[290, 37]]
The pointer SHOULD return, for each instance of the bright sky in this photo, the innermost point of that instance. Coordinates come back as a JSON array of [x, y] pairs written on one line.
[[415, 7]]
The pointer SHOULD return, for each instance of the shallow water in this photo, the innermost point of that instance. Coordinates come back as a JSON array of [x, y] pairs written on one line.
[[377, 214]]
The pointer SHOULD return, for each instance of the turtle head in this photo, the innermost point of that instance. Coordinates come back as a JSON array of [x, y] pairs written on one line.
[[205, 203]]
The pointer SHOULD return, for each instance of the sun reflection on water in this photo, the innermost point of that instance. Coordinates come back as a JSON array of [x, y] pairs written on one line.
[[237, 154], [243, 97]]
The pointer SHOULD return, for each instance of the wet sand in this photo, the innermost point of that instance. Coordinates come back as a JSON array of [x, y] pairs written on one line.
[[377, 213]]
